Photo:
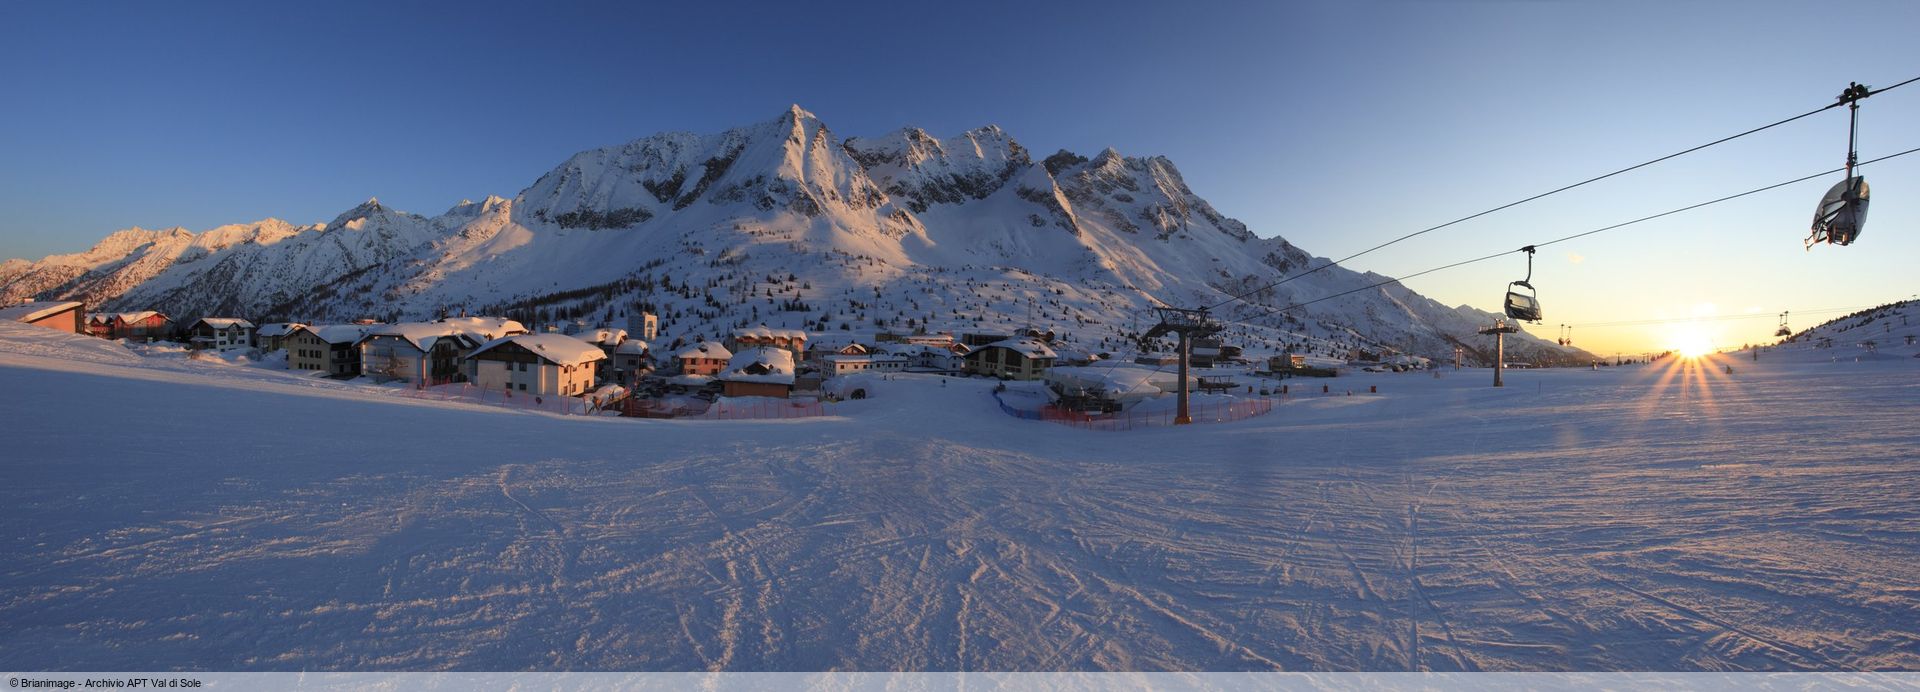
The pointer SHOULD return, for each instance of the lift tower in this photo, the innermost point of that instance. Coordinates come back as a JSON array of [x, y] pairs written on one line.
[[1190, 325], [1499, 330]]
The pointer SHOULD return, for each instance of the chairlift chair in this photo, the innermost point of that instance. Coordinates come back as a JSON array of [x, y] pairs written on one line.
[[1524, 306], [1784, 329], [1842, 212]]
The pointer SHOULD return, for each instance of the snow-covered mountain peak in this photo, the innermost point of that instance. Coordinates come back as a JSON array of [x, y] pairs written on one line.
[[468, 208], [924, 170], [908, 228], [357, 217], [788, 165], [796, 113]]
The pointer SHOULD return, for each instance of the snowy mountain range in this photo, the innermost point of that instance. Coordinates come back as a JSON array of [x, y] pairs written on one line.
[[783, 223]]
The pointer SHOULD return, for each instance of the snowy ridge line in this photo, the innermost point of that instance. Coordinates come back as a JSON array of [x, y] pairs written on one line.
[[778, 224]]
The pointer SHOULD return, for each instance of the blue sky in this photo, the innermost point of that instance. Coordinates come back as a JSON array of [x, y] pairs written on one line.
[[1336, 125]]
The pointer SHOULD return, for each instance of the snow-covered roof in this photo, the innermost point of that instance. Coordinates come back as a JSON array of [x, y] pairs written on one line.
[[135, 316], [762, 364], [912, 349], [28, 312], [423, 335], [605, 336], [847, 358], [1031, 348], [768, 333], [631, 347], [704, 349], [333, 333], [559, 349], [837, 340], [271, 329], [484, 328], [690, 380], [1121, 381], [224, 322]]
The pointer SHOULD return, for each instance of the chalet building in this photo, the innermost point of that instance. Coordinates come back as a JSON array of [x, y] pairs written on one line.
[[273, 336], [821, 345], [414, 352], [760, 371], [631, 360], [1012, 359], [607, 339], [411, 351], [332, 349], [940, 340], [535, 365], [837, 353], [704, 358], [927, 358], [837, 364], [66, 316], [887, 362], [221, 334], [793, 340], [144, 325]]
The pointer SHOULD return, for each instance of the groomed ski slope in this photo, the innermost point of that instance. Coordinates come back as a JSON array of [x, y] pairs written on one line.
[[186, 515]]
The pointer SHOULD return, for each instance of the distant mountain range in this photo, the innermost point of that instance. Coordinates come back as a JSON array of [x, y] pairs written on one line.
[[784, 223]]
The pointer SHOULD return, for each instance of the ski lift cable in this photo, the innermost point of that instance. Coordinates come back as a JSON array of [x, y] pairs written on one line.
[[1268, 310], [1724, 199], [1509, 205]]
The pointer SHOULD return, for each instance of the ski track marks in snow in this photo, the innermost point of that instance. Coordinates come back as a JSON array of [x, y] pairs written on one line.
[[1565, 522]]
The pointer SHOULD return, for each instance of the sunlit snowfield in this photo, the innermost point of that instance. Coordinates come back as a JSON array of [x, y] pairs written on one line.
[[1653, 517]]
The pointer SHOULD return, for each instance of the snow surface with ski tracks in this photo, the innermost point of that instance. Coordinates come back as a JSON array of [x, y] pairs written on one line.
[[168, 514]]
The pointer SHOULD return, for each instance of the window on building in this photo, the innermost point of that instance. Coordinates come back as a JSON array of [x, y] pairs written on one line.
[[523, 385]]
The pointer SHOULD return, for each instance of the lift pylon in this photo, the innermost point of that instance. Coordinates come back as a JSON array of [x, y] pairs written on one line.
[[1189, 325], [1499, 330]]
